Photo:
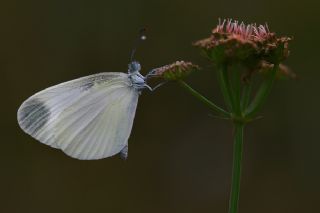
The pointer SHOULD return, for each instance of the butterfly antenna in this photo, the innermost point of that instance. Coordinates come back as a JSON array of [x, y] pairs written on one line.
[[141, 37]]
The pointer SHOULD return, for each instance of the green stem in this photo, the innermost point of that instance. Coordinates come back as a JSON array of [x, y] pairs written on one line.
[[236, 170], [245, 96], [236, 90], [203, 99], [262, 93], [225, 87]]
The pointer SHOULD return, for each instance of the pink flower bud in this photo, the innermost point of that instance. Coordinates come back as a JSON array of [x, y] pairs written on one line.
[[175, 71]]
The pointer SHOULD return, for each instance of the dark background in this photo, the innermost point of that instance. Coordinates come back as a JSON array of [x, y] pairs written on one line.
[[179, 156]]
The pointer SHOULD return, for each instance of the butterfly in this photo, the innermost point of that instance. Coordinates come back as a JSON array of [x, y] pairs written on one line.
[[87, 118]]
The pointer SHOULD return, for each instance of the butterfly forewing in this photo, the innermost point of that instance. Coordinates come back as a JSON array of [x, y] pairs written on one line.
[[88, 118]]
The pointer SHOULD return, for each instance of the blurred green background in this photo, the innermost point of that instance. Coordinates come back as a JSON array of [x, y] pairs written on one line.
[[179, 156]]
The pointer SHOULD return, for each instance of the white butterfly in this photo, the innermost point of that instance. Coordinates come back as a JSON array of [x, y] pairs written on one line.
[[87, 118]]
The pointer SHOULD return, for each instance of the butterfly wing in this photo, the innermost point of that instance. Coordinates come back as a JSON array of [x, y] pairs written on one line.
[[87, 118]]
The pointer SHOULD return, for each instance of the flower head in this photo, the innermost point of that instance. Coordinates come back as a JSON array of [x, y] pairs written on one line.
[[175, 71], [231, 41], [241, 30]]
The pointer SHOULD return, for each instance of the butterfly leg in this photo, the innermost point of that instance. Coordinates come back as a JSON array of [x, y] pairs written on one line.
[[158, 85]]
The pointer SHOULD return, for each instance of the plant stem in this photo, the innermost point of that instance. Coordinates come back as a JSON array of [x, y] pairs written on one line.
[[236, 170], [236, 89], [204, 100], [225, 87], [245, 96], [262, 93]]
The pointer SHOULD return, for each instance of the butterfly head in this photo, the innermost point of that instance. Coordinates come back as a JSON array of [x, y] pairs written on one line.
[[138, 81], [134, 67]]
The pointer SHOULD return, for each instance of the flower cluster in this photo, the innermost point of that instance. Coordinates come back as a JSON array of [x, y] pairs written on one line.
[[175, 71], [231, 41]]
